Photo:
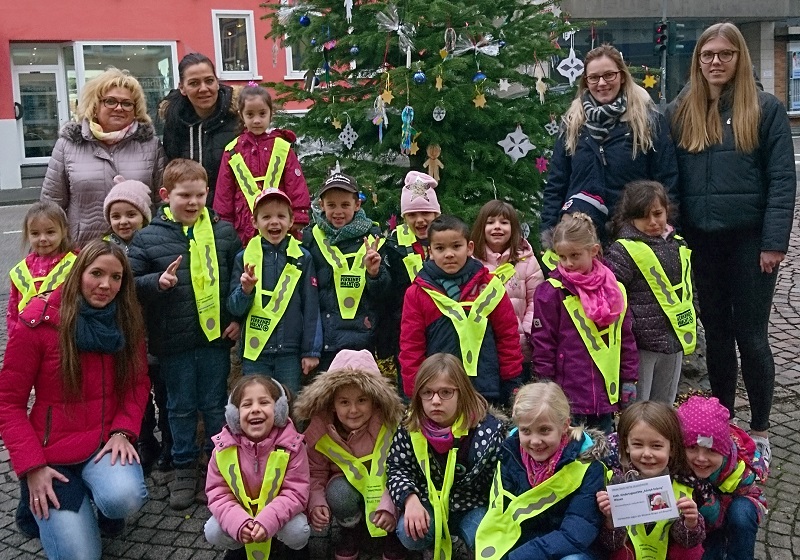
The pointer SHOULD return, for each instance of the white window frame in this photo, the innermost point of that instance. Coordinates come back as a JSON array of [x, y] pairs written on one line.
[[249, 18], [291, 72], [80, 67]]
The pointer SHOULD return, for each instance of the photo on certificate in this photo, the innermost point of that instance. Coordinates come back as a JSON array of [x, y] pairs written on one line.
[[642, 501]]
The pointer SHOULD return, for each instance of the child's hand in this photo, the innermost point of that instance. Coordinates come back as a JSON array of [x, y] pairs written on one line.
[[246, 534], [604, 505], [320, 517], [249, 278], [688, 510], [416, 518], [258, 534], [168, 279], [232, 331], [372, 260], [384, 520], [309, 365]]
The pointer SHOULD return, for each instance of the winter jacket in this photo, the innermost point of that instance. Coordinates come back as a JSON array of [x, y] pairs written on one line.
[[571, 525], [292, 497], [478, 453], [82, 169], [229, 201], [39, 267], [299, 331], [722, 189], [651, 326], [560, 355], [186, 135], [520, 288], [338, 333], [173, 325], [59, 431], [425, 331]]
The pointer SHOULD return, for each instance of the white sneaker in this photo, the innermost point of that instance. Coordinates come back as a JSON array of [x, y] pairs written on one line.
[[762, 446]]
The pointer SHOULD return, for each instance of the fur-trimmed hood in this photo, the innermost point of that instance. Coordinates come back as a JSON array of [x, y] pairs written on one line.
[[78, 132]]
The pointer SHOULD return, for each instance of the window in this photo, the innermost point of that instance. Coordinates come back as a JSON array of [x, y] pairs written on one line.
[[235, 44], [294, 60], [794, 77]]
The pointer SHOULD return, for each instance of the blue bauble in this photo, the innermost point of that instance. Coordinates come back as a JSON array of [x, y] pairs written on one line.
[[419, 77], [313, 42], [354, 50], [479, 77], [305, 21], [502, 44]]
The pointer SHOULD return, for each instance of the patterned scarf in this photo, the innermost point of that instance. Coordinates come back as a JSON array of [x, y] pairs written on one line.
[[600, 119], [358, 227], [599, 293], [109, 137], [539, 472], [441, 439]]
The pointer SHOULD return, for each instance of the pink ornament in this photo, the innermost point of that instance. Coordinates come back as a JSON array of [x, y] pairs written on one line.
[[392, 223], [541, 164]]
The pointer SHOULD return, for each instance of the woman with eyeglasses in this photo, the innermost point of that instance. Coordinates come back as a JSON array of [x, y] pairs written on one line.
[[737, 189], [113, 136], [611, 135]]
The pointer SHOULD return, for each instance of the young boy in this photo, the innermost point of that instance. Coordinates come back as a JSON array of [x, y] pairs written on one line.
[[182, 262], [438, 315], [274, 284], [351, 273]]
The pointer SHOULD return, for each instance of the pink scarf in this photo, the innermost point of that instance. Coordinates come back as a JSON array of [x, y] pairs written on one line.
[[599, 293], [539, 472], [441, 439]]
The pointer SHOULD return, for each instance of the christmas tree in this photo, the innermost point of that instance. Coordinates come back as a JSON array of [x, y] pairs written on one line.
[[457, 89]]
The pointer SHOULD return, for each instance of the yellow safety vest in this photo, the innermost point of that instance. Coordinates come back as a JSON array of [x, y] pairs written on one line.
[[605, 356], [412, 261], [262, 320], [349, 281], [550, 260], [228, 463], [654, 545], [205, 273], [501, 528], [370, 484], [471, 327], [679, 310], [271, 179], [732, 481], [439, 499], [26, 284]]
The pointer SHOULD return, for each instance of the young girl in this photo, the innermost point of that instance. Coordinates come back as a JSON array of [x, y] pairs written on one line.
[[728, 469], [581, 332], [442, 459], [353, 413], [498, 240], [127, 210], [257, 483], [543, 499], [48, 263], [653, 264], [649, 443], [259, 158]]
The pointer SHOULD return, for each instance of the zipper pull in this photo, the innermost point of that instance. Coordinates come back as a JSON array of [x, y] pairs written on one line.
[[603, 155]]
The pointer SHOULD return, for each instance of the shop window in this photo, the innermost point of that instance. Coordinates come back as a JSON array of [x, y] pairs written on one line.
[[794, 79], [235, 44]]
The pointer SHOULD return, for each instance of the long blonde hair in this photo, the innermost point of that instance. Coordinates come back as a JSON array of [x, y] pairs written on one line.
[[544, 398], [640, 114], [95, 89], [697, 116]]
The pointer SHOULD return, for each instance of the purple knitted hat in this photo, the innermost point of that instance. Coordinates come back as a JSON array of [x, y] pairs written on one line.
[[705, 422]]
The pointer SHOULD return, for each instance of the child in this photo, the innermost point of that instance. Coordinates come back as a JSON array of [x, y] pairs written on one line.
[[351, 273], [582, 336], [654, 266], [48, 263], [260, 154], [542, 503], [274, 284], [127, 210], [257, 483], [498, 239], [353, 413], [728, 467], [456, 306], [182, 262], [649, 443], [442, 459]]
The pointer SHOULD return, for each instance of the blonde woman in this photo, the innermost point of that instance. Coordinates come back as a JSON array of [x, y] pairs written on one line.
[[737, 190], [611, 135]]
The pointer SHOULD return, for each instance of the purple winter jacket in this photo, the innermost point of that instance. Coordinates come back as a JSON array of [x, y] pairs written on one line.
[[560, 355]]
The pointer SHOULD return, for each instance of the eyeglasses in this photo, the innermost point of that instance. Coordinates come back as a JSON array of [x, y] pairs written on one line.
[[113, 102], [445, 394], [608, 77], [707, 57]]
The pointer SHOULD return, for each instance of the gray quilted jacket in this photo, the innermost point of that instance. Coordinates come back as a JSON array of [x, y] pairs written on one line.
[[82, 169]]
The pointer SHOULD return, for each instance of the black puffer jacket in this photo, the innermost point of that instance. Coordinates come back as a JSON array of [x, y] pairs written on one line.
[[724, 190], [172, 322], [188, 136]]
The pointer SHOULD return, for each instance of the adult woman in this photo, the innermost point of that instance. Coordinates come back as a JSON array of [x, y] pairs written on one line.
[[114, 137], [199, 117], [81, 348], [737, 189], [612, 135]]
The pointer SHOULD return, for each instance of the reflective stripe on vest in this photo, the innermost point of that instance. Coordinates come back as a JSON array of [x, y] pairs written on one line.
[[550, 260], [500, 529], [679, 310], [349, 281], [26, 284], [605, 356], [370, 484], [263, 320], [228, 463], [205, 273], [412, 261], [654, 545], [732, 481], [271, 179], [471, 327]]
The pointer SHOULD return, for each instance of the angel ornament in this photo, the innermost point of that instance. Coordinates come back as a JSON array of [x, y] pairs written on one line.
[[432, 164]]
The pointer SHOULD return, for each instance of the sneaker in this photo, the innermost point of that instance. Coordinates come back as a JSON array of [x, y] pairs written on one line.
[[347, 547], [762, 446], [182, 490], [110, 528]]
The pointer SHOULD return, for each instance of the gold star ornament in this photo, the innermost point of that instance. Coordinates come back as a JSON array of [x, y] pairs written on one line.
[[337, 124], [439, 83], [414, 148], [480, 101], [387, 96], [649, 81]]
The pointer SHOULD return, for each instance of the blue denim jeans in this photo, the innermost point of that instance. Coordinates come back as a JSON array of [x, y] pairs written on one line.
[[464, 524], [736, 539], [283, 367], [196, 382], [117, 490]]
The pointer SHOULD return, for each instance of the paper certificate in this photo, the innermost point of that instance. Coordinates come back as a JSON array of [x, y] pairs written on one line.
[[642, 501]]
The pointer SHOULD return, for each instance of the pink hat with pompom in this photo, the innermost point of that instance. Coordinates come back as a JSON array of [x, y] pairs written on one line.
[[419, 194], [133, 192], [705, 422]]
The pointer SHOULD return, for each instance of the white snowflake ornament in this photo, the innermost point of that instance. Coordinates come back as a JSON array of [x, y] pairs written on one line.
[[348, 136], [439, 113], [516, 144], [551, 127], [571, 67]]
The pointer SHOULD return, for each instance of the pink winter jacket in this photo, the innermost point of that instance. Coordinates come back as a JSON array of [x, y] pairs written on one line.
[[520, 288], [293, 495], [39, 267]]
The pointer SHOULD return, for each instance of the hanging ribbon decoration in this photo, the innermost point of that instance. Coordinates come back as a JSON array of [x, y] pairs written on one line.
[[380, 119], [407, 132], [327, 47], [286, 13], [449, 42], [484, 45], [389, 20]]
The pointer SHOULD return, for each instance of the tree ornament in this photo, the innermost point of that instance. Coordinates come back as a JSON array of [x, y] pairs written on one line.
[[503, 85], [552, 126], [541, 89], [313, 41], [387, 91], [541, 164], [354, 50], [337, 124], [439, 113], [419, 77], [348, 136], [439, 83], [571, 67], [479, 77], [480, 100], [380, 119], [432, 164], [516, 144], [305, 21], [407, 132], [501, 43], [348, 10], [389, 20], [649, 81], [414, 149]]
